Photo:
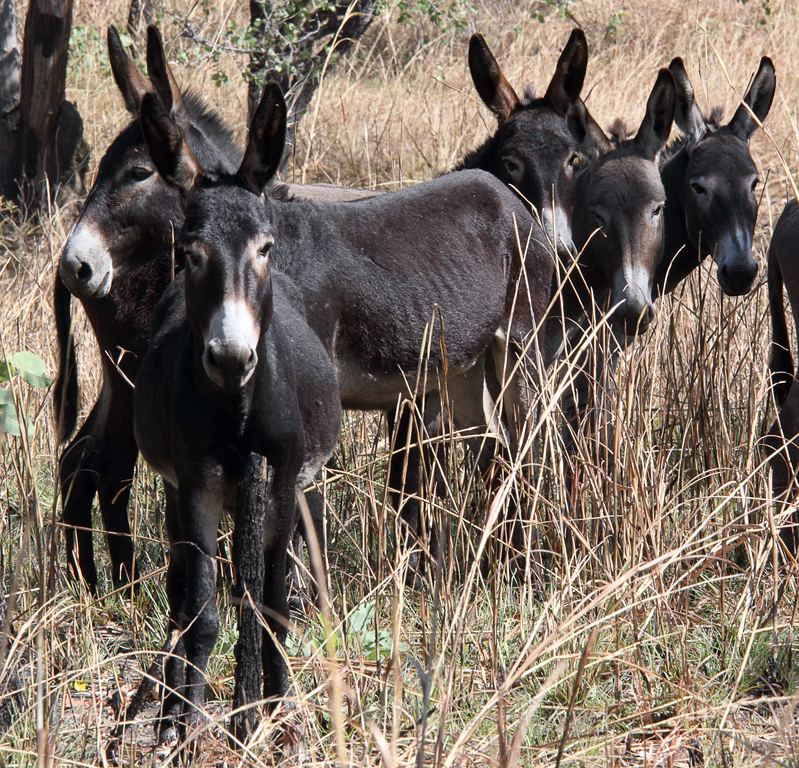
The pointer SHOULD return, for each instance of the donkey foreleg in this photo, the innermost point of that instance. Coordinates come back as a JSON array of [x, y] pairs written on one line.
[[278, 529]]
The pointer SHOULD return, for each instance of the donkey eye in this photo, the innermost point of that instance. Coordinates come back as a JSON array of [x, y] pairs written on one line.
[[512, 166], [194, 258], [754, 185], [658, 211], [698, 188], [140, 173], [576, 161]]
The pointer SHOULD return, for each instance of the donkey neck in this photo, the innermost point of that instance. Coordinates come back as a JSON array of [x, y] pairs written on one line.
[[680, 255]]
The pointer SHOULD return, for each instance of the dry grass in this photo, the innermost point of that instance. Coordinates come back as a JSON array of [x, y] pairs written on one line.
[[670, 588]]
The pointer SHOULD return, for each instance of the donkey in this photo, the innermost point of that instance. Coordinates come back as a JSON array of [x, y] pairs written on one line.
[[781, 440], [537, 146], [618, 224], [711, 185], [234, 368], [118, 261]]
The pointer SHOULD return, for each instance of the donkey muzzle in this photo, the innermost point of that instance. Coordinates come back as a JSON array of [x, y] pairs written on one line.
[[737, 269], [229, 364]]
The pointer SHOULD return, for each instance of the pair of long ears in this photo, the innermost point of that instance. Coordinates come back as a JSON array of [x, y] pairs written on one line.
[[134, 85], [498, 94], [653, 132], [179, 167], [689, 118]]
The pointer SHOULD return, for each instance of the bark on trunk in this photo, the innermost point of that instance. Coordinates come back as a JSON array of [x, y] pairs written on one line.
[[41, 136], [10, 69]]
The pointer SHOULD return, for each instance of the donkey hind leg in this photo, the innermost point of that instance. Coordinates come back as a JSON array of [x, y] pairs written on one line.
[[199, 512], [318, 530], [174, 665], [781, 443], [101, 460], [406, 467], [118, 453], [518, 372]]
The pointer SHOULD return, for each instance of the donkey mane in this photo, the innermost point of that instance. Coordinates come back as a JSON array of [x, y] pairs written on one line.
[[481, 156], [211, 123], [712, 123]]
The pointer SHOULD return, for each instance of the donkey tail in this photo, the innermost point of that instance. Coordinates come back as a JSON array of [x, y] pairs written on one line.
[[780, 361], [65, 390]]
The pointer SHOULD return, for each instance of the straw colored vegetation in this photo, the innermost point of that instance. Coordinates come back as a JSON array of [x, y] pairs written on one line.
[[655, 627]]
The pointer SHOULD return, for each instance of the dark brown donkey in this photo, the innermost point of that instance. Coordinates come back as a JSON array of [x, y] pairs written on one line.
[[371, 274], [536, 148], [618, 224], [711, 182], [782, 440]]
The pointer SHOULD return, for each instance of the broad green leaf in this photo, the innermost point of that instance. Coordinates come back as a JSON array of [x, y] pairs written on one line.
[[8, 413], [31, 369]]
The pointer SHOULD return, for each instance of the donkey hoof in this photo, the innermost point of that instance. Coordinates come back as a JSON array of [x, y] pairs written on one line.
[[290, 739]]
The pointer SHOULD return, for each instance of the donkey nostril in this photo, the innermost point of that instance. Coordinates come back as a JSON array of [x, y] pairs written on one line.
[[85, 272]]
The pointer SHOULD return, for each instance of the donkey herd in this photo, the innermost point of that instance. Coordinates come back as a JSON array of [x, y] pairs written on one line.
[[249, 312]]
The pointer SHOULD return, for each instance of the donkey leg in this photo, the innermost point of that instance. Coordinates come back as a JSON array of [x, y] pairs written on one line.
[[117, 454], [199, 511], [316, 506], [404, 483], [278, 527], [174, 665], [781, 443], [77, 472]]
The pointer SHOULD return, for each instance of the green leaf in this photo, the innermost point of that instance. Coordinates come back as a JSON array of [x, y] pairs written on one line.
[[8, 413], [30, 368], [361, 619], [125, 39]]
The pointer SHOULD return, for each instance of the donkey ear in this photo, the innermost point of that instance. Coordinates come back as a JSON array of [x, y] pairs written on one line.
[[494, 89], [266, 140], [567, 82], [163, 80], [590, 137], [172, 157], [759, 98], [127, 75], [656, 125], [687, 115]]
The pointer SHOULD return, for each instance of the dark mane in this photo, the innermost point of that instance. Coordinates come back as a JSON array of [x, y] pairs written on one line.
[[211, 124], [712, 124], [484, 156]]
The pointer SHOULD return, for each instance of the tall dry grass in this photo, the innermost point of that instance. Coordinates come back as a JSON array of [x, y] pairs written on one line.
[[656, 625]]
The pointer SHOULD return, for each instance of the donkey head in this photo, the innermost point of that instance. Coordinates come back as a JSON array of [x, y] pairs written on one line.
[[129, 215], [537, 146], [719, 178], [225, 238], [618, 217]]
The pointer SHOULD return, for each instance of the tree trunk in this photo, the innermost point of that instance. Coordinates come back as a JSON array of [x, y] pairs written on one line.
[[41, 134], [10, 68]]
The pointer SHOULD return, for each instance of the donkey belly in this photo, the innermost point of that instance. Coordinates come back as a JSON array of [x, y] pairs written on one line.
[[363, 389]]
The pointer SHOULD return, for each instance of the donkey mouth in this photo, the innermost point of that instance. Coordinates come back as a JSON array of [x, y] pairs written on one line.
[[93, 287], [229, 369]]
